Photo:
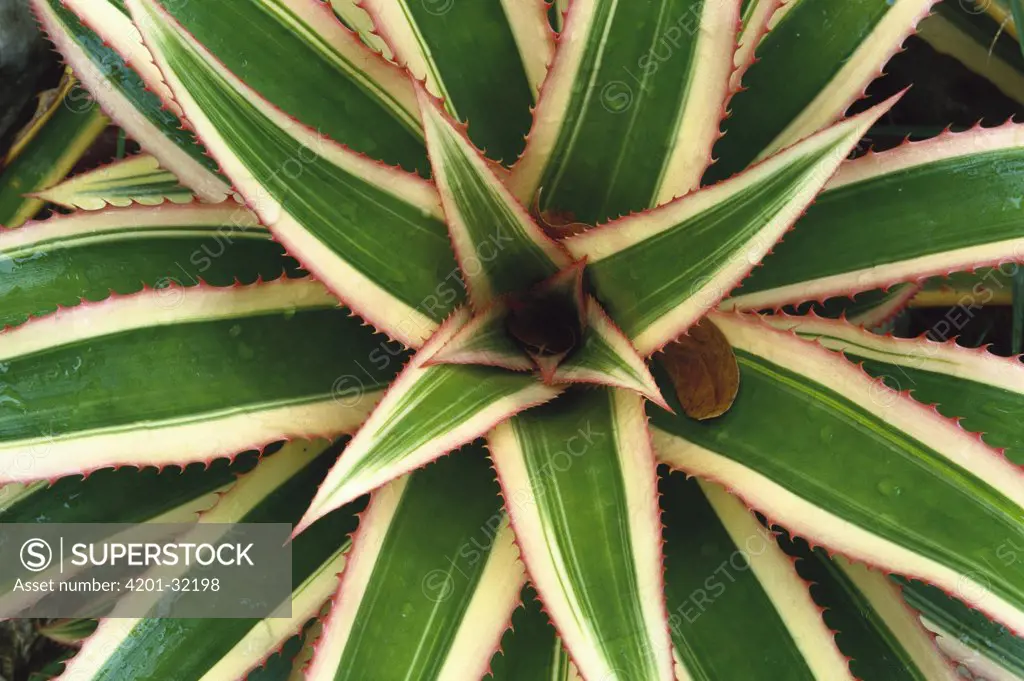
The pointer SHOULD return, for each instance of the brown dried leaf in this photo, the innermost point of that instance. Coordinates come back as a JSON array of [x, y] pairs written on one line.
[[704, 371]]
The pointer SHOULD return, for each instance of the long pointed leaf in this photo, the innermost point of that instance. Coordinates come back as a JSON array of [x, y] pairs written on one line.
[[499, 247], [984, 391], [317, 68], [836, 457], [854, 239], [631, 109], [291, 176], [123, 95], [439, 611], [180, 375], [136, 180], [658, 272], [511, 45], [727, 578], [806, 77], [217, 649], [429, 410], [86, 256], [47, 151], [578, 480]]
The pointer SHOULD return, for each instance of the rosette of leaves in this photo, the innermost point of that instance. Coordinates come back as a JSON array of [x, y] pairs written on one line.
[[490, 318]]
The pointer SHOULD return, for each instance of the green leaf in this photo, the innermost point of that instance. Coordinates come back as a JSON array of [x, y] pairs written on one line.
[[836, 457], [86, 256], [127, 97], [499, 247], [578, 478], [326, 69], [985, 648], [883, 637], [485, 340], [898, 216], [531, 649], [632, 106], [980, 42], [983, 391], [216, 649], [439, 611], [511, 47], [605, 356], [136, 180], [47, 150], [291, 175], [656, 273], [806, 77], [429, 410], [70, 632], [180, 375], [727, 579]]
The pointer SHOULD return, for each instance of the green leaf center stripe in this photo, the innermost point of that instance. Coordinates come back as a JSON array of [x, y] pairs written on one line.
[[432, 581], [402, 107], [850, 240], [612, 147], [138, 179], [713, 594], [591, 567], [699, 246], [499, 247], [492, 90], [888, 482], [123, 94], [344, 216], [211, 649], [820, 72]]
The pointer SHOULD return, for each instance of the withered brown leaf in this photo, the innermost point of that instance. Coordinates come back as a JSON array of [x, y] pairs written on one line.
[[703, 369]]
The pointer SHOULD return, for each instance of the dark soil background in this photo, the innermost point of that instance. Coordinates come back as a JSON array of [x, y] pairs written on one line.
[[943, 93]]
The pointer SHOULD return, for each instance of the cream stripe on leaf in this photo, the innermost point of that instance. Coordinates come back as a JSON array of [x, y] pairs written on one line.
[[499, 247], [658, 272], [987, 649], [128, 99], [47, 149], [578, 479], [984, 391], [852, 240], [432, 580], [873, 626], [726, 578], [485, 59], [179, 375], [357, 18], [531, 649], [429, 410], [135, 180], [327, 70], [979, 43], [218, 649], [87, 256], [805, 78], [836, 457], [605, 356], [631, 107], [342, 215]]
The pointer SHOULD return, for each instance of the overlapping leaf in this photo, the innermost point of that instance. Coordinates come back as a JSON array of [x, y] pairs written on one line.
[[178, 375], [439, 611], [878, 223], [885, 480], [578, 479], [136, 180]]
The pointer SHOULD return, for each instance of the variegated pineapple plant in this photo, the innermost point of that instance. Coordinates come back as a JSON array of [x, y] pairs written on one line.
[[527, 331]]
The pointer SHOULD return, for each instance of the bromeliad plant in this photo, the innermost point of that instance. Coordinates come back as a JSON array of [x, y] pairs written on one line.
[[528, 331]]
